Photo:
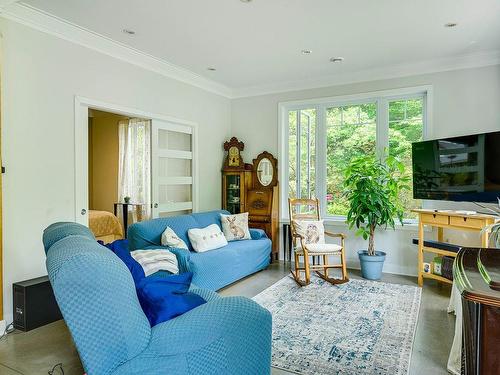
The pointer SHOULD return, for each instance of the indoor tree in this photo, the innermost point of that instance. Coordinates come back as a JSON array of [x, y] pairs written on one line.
[[372, 185]]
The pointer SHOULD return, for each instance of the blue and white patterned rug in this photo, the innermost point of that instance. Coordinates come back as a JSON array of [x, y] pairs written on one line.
[[358, 328]]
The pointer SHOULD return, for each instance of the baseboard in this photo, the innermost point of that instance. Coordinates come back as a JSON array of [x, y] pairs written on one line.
[[395, 269]]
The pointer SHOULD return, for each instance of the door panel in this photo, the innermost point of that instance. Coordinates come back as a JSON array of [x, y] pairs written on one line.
[[172, 168]]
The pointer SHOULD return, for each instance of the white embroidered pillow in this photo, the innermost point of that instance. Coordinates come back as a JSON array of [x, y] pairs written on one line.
[[208, 238], [312, 232], [169, 238], [235, 227]]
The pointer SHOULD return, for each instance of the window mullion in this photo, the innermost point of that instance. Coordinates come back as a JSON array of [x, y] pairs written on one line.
[[382, 126], [320, 175], [298, 176]]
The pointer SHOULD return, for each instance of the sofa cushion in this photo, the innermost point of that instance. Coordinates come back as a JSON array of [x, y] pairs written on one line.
[[170, 238], [148, 233], [216, 269], [208, 238], [235, 227]]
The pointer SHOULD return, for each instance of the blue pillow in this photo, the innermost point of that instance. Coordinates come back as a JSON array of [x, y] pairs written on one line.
[[120, 248], [164, 298]]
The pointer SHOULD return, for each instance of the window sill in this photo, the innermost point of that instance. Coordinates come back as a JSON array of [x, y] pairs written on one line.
[[410, 226]]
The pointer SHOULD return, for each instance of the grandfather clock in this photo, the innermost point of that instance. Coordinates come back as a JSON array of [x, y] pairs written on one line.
[[262, 199], [236, 177]]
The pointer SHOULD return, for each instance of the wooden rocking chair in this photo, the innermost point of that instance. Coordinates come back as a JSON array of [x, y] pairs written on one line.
[[308, 209]]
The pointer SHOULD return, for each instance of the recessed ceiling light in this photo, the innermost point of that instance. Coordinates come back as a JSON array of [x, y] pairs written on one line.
[[336, 59], [450, 24], [128, 31], [245, 1], [306, 51], [211, 69]]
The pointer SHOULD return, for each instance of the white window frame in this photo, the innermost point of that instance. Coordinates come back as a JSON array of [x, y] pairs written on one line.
[[381, 98]]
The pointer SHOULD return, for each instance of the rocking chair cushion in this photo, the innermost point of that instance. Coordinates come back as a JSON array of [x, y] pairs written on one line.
[[311, 231], [323, 248]]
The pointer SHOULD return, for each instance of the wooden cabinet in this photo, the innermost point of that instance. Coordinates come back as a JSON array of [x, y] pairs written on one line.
[[262, 207], [262, 198], [234, 188], [252, 188]]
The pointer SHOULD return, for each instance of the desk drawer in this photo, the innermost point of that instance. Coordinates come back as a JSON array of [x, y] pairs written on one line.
[[467, 222], [434, 219]]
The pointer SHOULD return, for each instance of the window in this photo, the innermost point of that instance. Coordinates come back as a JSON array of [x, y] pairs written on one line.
[[302, 148], [323, 137], [350, 131], [406, 125]]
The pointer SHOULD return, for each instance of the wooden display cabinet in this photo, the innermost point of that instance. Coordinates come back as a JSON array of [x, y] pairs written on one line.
[[234, 188]]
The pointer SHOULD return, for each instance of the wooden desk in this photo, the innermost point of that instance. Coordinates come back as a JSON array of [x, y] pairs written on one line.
[[450, 220]]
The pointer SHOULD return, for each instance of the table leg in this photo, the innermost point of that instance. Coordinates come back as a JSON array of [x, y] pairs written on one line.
[[125, 218], [285, 243], [420, 252]]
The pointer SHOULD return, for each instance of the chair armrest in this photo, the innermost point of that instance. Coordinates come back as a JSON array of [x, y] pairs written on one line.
[[183, 256], [257, 234], [242, 324], [206, 294], [341, 235]]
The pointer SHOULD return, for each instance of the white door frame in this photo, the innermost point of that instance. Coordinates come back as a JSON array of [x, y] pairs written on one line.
[[82, 106]]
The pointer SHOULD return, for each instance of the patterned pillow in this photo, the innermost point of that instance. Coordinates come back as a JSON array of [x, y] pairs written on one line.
[[235, 227], [312, 232], [169, 238], [208, 238]]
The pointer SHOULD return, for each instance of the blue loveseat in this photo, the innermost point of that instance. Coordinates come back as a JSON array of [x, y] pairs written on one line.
[[98, 300], [212, 269]]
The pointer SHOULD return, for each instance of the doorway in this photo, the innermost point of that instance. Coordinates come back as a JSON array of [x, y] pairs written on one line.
[[173, 167]]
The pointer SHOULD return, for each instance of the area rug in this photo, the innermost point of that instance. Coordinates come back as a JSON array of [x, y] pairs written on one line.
[[358, 328]]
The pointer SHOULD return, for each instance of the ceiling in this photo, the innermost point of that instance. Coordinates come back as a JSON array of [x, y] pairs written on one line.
[[259, 43]]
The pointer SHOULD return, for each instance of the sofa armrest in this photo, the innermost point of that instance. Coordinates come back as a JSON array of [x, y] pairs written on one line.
[[241, 325], [257, 234], [183, 256]]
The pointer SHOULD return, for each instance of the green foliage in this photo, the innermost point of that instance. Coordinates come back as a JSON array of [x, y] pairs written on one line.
[[372, 187]]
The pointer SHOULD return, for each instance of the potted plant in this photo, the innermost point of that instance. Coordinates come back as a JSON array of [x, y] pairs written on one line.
[[126, 199], [372, 186]]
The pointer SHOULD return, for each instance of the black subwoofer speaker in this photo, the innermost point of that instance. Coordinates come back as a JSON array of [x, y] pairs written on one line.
[[34, 304]]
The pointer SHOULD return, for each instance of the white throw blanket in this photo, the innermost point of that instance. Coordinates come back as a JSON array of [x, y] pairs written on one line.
[[156, 260]]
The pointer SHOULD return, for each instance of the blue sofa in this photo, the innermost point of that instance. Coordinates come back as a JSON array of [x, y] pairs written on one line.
[[212, 269], [97, 297]]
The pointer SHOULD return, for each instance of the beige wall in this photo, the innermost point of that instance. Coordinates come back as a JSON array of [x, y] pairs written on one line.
[[103, 162]]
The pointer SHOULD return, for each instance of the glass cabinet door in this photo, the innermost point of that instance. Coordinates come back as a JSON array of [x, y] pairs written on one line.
[[233, 193]]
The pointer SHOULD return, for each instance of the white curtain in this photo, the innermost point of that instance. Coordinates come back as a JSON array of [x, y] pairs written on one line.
[[134, 170]]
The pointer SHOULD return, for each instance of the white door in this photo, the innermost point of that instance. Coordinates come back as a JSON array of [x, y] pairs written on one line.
[[173, 168]]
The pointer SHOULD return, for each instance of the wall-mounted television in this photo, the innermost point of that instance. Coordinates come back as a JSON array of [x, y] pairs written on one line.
[[463, 168]]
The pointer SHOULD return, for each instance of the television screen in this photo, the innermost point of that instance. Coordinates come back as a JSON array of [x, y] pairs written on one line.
[[459, 169]]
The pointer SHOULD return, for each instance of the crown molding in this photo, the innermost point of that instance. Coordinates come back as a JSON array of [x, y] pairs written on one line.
[[482, 59], [50, 24], [63, 29]]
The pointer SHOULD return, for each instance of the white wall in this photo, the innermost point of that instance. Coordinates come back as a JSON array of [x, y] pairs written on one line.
[[464, 101], [41, 76]]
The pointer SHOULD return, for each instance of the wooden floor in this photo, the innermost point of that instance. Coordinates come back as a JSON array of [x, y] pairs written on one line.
[[37, 351]]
